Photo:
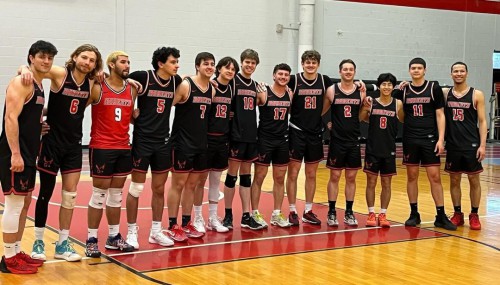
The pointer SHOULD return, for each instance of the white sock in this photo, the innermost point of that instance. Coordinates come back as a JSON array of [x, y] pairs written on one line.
[[309, 207], [132, 227], [212, 210], [276, 212], [255, 212], [155, 227], [9, 249], [383, 211], [371, 209], [91, 233], [17, 246], [292, 208], [197, 211], [113, 230], [63, 235], [39, 233]]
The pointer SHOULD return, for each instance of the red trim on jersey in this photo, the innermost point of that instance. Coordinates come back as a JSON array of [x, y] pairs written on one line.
[[46, 171]]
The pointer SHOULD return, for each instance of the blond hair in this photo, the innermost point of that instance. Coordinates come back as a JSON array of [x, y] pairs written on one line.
[[112, 57]]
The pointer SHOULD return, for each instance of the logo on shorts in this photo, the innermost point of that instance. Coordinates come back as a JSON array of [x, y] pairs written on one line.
[[181, 164], [24, 184], [262, 157], [234, 152], [332, 161], [47, 163], [100, 169], [368, 165], [448, 165], [137, 162], [406, 157], [290, 153]]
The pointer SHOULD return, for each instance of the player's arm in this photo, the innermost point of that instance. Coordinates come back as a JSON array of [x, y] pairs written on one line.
[[95, 94], [16, 96], [445, 92], [56, 75], [441, 125], [364, 113], [400, 110], [327, 99], [181, 93], [261, 94], [483, 128]]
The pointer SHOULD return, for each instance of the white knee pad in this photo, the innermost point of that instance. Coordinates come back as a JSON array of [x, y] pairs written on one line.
[[98, 198], [136, 189], [114, 198], [13, 207], [68, 199]]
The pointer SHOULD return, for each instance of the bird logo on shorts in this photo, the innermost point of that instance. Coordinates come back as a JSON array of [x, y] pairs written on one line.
[[290, 153], [100, 169], [234, 152], [24, 184], [47, 163], [332, 161], [181, 164], [137, 162], [262, 157], [368, 165], [406, 157], [448, 165]]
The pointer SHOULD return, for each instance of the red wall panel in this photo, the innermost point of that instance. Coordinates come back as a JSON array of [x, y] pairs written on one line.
[[477, 6]]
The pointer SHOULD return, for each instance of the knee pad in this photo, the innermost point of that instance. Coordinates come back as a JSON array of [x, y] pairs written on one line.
[[230, 181], [68, 199], [246, 180], [136, 189], [114, 198], [98, 198], [12, 212]]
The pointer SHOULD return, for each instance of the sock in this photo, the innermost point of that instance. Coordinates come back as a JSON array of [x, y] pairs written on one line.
[[212, 210], [246, 215], [229, 212], [63, 235], [9, 249], [255, 212], [39, 233], [414, 208], [440, 211], [113, 230], [185, 220], [155, 227], [197, 211], [331, 206], [371, 209], [309, 207], [348, 206], [91, 233], [458, 208], [276, 212], [292, 208], [383, 211], [132, 227], [17, 246], [172, 222], [475, 210]]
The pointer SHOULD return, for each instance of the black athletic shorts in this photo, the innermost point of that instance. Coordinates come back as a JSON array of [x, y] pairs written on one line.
[[145, 153], [243, 151], [53, 158], [106, 163], [462, 161], [17, 183], [306, 146], [344, 156], [218, 152], [420, 152], [188, 161], [386, 166], [273, 150]]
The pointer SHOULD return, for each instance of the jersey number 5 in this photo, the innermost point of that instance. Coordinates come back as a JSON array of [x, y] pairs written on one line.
[[160, 106]]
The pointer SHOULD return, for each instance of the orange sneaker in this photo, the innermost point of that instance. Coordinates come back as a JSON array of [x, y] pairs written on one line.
[[372, 220], [474, 222], [457, 219], [383, 222]]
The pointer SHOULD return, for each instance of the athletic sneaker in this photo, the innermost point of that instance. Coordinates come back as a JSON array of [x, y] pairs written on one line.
[[457, 219], [214, 224], [38, 251], [160, 238], [191, 231], [29, 261], [117, 242], [91, 248], [293, 219], [371, 221], [413, 220], [311, 218], [177, 234], [474, 222], [199, 224], [442, 221], [383, 222], [259, 218], [132, 237], [350, 219], [66, 251], [228, 222], [331, 219], [16, 265], [279, 220], [250, 223]]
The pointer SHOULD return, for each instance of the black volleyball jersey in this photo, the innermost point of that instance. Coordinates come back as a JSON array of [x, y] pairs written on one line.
[[462, 132], [65, 111], [244, 122], [345, 115], [307, 102], [420, 104], [155, 104], [189, 131], [218, 120], [383, 129], [30, 128], [273, 115]]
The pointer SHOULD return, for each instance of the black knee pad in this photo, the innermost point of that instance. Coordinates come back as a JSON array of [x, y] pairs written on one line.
[[246, 180], [230, 181]]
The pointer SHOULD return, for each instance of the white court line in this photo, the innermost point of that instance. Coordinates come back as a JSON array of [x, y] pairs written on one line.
[[62, 260]]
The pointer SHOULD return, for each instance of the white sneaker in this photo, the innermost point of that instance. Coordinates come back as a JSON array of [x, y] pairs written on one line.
[[259, 218], [214, 224], [132, 237], [38, 250], [199, 224], [160, 238], [279, 220], [332, 219], [350, 219]]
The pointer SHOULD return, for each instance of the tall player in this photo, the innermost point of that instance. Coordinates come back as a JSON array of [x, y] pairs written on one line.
[[110, 157], [192, 103], [218, 145], [465, 145], [306, 132], [380, 155], [243, 143], [61, 147], [344, 150], [19, 144], [274, 105], [151, 146], [423, 140]]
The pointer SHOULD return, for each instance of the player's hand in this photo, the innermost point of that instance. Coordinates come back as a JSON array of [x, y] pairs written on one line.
[[481, 153], [439, 149], [329, 125], [136, 113], [214, 83], [361, 85], [135, 84], [261, 87], [100, 76], [403, 84], [290, 91], [368, 101], [45, 128], [26, 76], [17, 163]]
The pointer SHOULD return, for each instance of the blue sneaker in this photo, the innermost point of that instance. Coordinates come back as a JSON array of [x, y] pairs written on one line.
[[38, 251], [66, 251], [117, 242], [91, 248]]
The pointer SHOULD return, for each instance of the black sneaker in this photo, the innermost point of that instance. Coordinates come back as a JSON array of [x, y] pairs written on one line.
[[442, 221], [250, 223], [413, 220], [311, 218], [228, 222], [117, 242], [293, 219]]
